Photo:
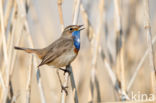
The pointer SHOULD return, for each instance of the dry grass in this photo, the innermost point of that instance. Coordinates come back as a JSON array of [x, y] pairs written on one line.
[[112, 64]]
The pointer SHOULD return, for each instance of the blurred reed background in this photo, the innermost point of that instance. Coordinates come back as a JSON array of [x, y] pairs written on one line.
[[116, 57]]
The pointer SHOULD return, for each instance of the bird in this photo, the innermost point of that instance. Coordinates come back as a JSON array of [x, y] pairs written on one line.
[[61, 52]]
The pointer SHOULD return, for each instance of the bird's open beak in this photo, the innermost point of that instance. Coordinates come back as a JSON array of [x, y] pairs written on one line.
[[81, 27]]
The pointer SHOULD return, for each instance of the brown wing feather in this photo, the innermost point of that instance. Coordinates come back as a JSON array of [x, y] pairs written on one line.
[[57, 48]]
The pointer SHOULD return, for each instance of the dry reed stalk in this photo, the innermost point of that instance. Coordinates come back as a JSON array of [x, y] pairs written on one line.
[[115, 81], [139, 66], [2, 87], [94, 49], [7, 13], [74, 6], [5, 51], [91, 36], [17, 29], [112, 75], [12, 55], [65, 84], [75, 20], [87, 23], [28, 86], [108, 67], [59, 3], [7, 24], [120, 48], [3, 36], [11, 37], [35, 68], [10, 52], [22, 23], [66, 74], [93, 39], [147, 26], [22, 13], [74, 89], [76, 12], [113, 78], [43, 100], [10, 21]]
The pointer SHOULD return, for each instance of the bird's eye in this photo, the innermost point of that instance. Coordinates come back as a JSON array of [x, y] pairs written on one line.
[[71, 29]]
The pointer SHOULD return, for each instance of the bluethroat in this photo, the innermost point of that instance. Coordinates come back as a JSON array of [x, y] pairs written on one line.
[[61, 52]]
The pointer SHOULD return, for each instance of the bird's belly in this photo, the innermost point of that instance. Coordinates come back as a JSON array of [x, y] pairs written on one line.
[[65, 59]]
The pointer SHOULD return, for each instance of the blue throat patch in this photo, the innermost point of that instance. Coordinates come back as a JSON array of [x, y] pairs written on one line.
[[76, 35]]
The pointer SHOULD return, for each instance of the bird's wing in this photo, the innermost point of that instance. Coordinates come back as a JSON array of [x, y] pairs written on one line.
[[56, 49]]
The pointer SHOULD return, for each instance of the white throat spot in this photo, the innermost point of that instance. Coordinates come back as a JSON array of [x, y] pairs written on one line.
[[78, 40]]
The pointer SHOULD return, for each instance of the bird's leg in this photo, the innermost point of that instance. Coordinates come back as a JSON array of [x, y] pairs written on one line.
[[65, 71], [62, 87]]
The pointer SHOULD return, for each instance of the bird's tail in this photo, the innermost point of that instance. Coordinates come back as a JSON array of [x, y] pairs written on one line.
[[38, 52], [28, 50]]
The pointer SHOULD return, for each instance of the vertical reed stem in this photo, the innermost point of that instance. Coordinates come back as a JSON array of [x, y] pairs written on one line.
[[75, 19], [149, 43], [42, 95], [28, 86], [95, 46], [59, 3], [120, 48], [6, 61]]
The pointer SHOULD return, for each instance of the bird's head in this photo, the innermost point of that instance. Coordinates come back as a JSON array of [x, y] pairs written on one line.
[[69, 30]]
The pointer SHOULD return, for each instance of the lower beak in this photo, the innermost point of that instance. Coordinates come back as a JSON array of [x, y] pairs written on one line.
[[81, 28]]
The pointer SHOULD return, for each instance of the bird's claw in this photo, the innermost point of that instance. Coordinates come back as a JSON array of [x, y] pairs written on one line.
[[64, 89], [65, 71]]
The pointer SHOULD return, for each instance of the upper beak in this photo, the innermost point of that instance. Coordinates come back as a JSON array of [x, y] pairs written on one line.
[[81, 28]]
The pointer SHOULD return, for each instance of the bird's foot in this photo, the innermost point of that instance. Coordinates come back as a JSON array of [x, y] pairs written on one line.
[[64, 89], [65, 71]]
